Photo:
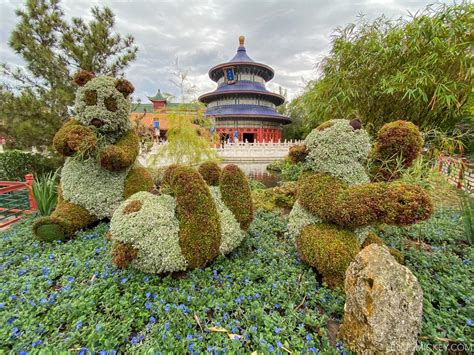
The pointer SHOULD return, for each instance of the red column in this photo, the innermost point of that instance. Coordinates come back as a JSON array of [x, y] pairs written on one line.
[[29, 181]]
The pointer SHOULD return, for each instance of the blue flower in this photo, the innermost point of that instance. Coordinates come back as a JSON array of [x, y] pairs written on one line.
[[71, 278], [253, 329], [103, 352], [123, 280], [148, 305], [11, 320], [167, 325], [313, 350], [98, 327], [97, 251], [51, 256], [134, 341], [148, 294], [189, 336], [83, 351], [279, 344], [146, 279], [469, 322], [22, 272], [37, 343], [277, 330], [270, 349], [2, 305], [78, 325], [277, 306], [167, 308], [308, 337], [209, 348], [15, 332], [12, 297], [152, 319]]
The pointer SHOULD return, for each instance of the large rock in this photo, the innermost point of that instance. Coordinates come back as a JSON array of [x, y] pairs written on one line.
[[384, 304]]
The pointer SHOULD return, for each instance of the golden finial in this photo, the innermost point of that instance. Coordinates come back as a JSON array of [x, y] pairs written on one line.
[[241, 40]]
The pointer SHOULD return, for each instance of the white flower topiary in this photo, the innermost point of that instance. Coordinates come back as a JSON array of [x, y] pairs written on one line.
[[231, 234], [298, 219], [339, 150], [116, 122], [88, 185], [153, 231]]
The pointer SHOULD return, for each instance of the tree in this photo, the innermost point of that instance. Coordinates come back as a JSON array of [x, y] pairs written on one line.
[[180, 79], [417, 69], [187, 142], [53, 49]]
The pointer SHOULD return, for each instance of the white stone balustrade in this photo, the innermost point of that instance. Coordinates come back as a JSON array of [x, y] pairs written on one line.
[[241, 152]]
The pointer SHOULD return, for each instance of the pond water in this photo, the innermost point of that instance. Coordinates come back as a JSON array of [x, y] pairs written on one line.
[[259, 172]]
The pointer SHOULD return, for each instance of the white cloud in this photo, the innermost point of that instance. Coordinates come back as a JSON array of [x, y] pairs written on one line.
[[290, 36]]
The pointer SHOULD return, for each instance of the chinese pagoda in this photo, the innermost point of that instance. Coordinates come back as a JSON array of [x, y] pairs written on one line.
[[241, 105]]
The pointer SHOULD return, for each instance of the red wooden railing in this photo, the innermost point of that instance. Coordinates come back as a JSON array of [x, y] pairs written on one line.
[[458, 171], [12, 214]]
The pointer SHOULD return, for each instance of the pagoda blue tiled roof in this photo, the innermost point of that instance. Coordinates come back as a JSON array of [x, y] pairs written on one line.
[[245, 111], [242, 87]]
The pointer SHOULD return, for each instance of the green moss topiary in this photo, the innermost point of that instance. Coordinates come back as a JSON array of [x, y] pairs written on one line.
[[101, 148], [298, 153], [211, 172], [329, 249], [138, 179], [167, 176], [398, 144], [359, 206], [199, 227], [236, 194]]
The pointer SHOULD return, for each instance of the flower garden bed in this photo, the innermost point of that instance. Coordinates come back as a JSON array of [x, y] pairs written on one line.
[[69, 296]]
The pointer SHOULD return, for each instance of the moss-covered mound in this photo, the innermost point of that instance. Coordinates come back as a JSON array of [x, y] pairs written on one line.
[[329, 249], [211, 172], [236, 194], [199, 227], [398, 144]]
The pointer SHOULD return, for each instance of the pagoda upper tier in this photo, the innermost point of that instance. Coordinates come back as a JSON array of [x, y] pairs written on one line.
[[241, 90]]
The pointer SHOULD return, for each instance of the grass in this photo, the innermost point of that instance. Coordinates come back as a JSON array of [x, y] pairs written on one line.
[[68, 296]]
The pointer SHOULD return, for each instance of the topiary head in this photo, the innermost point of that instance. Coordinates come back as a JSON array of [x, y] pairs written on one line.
[[103, 102], [211, 172], [340, 148], [398, 144]]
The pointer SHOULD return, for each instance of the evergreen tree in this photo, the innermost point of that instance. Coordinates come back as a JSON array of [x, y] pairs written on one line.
[[53, 49]]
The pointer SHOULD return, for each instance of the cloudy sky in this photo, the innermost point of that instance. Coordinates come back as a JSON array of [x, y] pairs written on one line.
[[290, 36]]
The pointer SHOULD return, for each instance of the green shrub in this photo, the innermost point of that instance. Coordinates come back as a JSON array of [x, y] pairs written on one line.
[[211, 172], [329, 249], [45, 192], [236, 194], [15, 164], [280, 197], [291, 172]]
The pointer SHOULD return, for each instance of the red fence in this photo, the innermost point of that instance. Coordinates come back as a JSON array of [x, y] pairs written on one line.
[[16, 199], [458, 171]]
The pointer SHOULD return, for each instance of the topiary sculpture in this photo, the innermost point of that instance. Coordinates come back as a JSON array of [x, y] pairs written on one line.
[[101, 148], [336, 201], [211, 172], [185, 227]]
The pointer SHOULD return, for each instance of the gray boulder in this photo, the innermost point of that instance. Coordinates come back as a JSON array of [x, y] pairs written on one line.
[[384, 304]]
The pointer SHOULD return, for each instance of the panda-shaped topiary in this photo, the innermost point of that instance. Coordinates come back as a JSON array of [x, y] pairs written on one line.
[[336, 202], [187, 226], [101, 149]]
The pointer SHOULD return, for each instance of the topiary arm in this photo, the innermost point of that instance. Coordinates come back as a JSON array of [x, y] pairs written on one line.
[[362, 205], [73, 137], [122, 154]]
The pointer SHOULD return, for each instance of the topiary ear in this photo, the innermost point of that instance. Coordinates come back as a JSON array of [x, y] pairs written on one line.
[[124, 86], [82, 77]]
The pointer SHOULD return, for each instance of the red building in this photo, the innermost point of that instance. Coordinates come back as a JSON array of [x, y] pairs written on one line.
[[241, 105]]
